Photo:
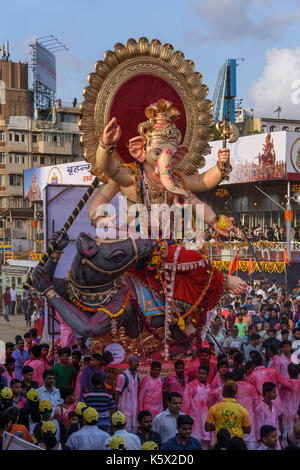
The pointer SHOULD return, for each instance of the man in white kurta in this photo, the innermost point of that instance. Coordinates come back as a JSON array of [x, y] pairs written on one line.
[[126, 397]]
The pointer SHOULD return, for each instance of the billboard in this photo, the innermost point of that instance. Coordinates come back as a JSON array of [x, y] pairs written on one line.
[[260, 157], [36, 179], [45, 64]]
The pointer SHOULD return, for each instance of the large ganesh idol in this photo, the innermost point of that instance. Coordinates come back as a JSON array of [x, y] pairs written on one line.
[[159, 166]]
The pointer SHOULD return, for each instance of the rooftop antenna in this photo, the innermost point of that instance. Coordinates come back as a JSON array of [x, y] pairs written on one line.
[[278, 110], [5, 52]]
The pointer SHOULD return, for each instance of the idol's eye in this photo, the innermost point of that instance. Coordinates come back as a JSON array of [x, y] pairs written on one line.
[[157, 152], [118, 256]]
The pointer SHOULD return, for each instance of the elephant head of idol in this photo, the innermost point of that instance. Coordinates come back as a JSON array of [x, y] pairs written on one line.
[[158, 146]]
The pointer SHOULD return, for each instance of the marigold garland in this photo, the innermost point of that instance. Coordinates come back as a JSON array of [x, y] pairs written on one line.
[[268, 266]]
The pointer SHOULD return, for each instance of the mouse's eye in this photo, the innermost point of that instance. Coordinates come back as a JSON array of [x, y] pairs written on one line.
[[118, 256]]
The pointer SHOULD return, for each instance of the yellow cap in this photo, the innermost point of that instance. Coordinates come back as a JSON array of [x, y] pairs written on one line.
[[33, 395], [49, 426], [117, 443], [6, 393], [149, 445], [90, 415], [45, 405], [118, 418], [80, 407]]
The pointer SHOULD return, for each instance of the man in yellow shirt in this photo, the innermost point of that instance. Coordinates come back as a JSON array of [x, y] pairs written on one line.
[[228, 413]]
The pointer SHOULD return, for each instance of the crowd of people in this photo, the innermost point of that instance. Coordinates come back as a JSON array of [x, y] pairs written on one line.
[[31, 305], [277, 233], [240, 392]]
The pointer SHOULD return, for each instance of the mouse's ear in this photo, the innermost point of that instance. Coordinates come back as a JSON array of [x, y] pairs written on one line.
[[86, 245]]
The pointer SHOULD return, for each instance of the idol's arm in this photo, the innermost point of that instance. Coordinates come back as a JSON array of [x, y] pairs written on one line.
[[113, 168], [210, 178], [100, 198]]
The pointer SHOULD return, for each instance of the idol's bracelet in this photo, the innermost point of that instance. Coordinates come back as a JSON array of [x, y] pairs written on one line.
[[213, 220], [56, 255], [49, 293], [225, 170], [107, 147], [224, 282]]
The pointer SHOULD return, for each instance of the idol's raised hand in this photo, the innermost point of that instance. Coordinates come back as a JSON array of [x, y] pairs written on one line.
[[112, 133]]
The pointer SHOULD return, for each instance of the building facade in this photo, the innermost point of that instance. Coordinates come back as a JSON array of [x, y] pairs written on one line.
[[25, 143], [257, 125]]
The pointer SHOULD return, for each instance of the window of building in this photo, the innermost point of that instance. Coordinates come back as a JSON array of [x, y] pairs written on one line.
[[42, 160], [10, 158], [68, 118], [17, 137], [23, 137], [15, 180], [10, 137], [2, 136], [17, 158], [285, 128], [34, 159], [272, 128], [19, 281], [2, 157], [54, 138], [34, 138], [297, 129], [23, 159], [53, 160], [19, 224]]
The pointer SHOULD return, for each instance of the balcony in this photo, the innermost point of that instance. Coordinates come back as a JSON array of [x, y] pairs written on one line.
[[16, 147], [55, 148]]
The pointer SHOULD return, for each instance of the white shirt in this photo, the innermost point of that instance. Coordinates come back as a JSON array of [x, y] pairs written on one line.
[[13, 294], [261, 292], [166, 425], [263, 447], [88, 438], [54, 397], [133, 442]]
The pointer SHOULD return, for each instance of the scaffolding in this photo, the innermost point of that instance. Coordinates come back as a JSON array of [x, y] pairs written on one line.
[[44, 94]]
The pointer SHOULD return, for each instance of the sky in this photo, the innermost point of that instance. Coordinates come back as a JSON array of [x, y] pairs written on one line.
[[265, 33]]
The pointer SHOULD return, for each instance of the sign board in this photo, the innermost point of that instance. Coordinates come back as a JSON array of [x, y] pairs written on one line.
[[36, 179], [45, 64], [260, 157]]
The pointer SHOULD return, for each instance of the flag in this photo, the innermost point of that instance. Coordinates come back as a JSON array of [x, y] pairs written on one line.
[[250, 267], [235, 264], [285, 258]]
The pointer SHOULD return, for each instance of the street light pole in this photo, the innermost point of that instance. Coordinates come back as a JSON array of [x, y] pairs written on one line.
[[288, 220]]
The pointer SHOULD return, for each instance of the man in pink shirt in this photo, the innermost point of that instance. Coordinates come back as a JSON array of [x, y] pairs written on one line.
[[195, 404], [220, 377], [291, 399], [150, 392], [261, 374], [248, 398], [10, 372], [286, 357], [266, 412], [175, 382], [206, 360], [36, 363], [274, 362]]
